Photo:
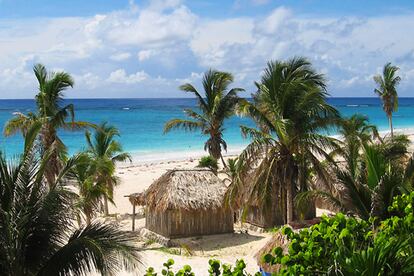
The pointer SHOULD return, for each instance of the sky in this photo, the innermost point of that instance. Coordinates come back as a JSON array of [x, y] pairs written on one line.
[[146, 49]]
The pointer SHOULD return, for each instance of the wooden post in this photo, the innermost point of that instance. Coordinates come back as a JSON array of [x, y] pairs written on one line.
[[133, 217]]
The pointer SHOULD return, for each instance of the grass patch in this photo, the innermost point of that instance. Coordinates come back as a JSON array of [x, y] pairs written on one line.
[[168, 250]]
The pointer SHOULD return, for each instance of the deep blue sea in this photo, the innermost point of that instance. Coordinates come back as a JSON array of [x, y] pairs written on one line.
[[141, 122]]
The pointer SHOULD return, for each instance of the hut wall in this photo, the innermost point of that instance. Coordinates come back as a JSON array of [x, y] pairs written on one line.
[[274, 216], [264, 218], [182, 223]]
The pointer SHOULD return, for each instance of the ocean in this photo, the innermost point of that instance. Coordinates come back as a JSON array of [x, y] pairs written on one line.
[[141, 122]]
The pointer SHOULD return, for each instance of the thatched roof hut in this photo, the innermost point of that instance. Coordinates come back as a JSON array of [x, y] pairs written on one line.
[[183, 203]]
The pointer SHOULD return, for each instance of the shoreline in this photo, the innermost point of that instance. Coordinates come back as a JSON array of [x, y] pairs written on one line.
[[160, 156]]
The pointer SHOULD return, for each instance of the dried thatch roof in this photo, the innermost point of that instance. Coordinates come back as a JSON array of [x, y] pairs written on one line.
[[186, 189], [278, 240], [137, 199]]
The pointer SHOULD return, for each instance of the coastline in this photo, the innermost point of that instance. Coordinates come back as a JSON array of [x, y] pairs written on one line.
[[158, 156], [140, 157], [144, 169]]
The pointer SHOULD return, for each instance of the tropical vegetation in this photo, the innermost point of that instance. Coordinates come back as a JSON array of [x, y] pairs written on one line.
[[37, 231], [215, 105], [208, 162], [290, 161], [387, 90], [104, 152], [291, 113], [365, 173], [343, 245], [51, 115], [215, 268], [90, 191]]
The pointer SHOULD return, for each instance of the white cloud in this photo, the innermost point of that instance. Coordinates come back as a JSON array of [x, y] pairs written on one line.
[[88, 81], [120, 76], [194, 77], [145, 54], [149, 27], [273, 23], [173, 43], [120, 56], [213, 40]]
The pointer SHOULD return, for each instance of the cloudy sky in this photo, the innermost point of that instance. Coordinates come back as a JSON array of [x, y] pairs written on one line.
[[138, 49]]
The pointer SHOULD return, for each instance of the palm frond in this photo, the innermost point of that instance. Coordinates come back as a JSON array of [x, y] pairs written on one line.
[[191, 89], [97, 246], [303, 199], [183, 124]]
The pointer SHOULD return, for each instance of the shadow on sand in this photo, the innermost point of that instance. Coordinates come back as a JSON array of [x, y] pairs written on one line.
[[205, 244]]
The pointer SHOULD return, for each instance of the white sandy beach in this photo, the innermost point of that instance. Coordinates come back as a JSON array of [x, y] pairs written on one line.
[[138, 176]]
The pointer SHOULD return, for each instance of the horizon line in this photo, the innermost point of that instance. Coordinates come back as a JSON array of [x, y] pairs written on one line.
[[170, 98]]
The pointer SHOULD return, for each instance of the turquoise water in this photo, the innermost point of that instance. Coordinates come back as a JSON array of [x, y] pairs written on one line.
[[141, 122]]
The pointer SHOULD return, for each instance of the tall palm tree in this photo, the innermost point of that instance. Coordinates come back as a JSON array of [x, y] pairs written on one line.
[[291, 111], [105, 152], [37, 234], [387, 90], [51, 115], [216, 105]]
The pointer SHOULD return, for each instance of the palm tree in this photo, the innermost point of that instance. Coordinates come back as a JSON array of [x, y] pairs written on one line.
[[291, 111], [387, 90], [51, 115], [365, 176], [355, 132], [232, 168], [90, 192], [37, 234], [216, 105], [105, 152]]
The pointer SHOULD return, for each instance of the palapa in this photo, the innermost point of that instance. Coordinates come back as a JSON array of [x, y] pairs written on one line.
[[137, 199], [186, 189], [185, 203]]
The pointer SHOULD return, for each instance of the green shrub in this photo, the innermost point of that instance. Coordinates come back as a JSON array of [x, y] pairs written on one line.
[[208, 162], [343, 245], [216, 268], [312, 250]]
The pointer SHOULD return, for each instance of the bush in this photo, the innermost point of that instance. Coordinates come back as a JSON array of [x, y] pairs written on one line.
[[342, 245], [216, 268], [208, 162]]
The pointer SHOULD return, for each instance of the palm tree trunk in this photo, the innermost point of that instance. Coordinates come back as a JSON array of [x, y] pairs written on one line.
[[289, 203], [390, 122], [106, 211], [222, 160], [48, 136]]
